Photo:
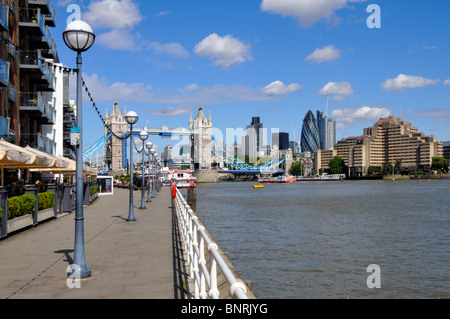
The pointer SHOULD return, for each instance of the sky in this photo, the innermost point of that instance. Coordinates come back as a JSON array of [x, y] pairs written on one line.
[[275, 59]]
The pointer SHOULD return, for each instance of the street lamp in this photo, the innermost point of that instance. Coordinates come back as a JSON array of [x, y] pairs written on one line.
[[155, 156], [149, 146], [131, 118], [143, 136], [79, 37]]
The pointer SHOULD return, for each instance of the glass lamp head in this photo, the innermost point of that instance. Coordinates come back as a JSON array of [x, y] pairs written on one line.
[[78, 36]]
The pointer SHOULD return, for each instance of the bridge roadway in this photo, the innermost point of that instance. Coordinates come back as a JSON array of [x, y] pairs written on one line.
[[127, 259]]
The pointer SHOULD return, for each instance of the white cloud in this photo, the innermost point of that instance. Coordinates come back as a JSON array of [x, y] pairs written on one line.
[[103, 90], [307, 12], [118, 39], [346, 117], [174, 49], [447, 82], [339, 90], [438, 115], [170, 110], [328, 53], [225, 51], [279, 88], [114, 14], [403, 82]]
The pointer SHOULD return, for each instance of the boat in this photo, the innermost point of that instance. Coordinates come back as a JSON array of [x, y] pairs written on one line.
[[323, 177], [179, 178], [258, 186], [278, 179]]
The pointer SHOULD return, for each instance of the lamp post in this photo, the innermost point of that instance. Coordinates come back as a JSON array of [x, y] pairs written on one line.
[[131, 118], [143, 136], [155, 157], [153, 152], [149, 146], [79, 37]]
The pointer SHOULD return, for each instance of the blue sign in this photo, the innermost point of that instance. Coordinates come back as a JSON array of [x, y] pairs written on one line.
[[4, 73], [3, 126], [4, 16], [124, 151]]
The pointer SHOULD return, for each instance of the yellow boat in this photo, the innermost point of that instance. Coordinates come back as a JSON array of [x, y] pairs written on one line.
[[258, 186]]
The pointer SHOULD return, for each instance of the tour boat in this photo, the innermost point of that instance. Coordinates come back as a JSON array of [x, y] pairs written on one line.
[[182, 179], [278, 179]]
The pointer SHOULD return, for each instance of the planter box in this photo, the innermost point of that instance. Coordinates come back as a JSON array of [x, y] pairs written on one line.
[[27, 220]]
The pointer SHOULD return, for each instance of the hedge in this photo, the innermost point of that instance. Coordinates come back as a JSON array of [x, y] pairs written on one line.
[[24, 204]]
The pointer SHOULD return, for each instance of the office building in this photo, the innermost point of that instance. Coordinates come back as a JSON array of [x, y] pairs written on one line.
[[280, 140], [388, 140], [310, 140], [253, 141], [327, 131]]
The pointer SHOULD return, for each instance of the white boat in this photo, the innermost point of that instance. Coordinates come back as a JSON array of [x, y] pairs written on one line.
[[323, 177], [182, 179], [278, 179]]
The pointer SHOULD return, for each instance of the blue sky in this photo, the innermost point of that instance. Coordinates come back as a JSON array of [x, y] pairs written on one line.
[[275, 59]]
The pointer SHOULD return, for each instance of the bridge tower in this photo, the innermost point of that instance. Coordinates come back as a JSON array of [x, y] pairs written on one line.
[[113, 147], [201, 143]]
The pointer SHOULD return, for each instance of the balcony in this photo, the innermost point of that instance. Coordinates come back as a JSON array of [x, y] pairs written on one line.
[[4, 17], [32, 102], [47, 10], [32, 61], [12, 93], [47, 80], [44, 5], [11, 47], [37, 106], [38, 141], [49, 45], [31, 20]]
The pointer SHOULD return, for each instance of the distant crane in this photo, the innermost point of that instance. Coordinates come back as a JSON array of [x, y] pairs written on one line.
[[295, 136]]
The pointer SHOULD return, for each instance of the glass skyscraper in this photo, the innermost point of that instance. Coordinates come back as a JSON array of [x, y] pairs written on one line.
[[327, 131], [310, 140]]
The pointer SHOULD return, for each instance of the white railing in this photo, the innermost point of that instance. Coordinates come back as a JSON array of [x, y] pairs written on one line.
[[195, 240]]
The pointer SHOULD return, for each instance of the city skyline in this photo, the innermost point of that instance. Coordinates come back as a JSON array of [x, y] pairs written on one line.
[[163, 60]]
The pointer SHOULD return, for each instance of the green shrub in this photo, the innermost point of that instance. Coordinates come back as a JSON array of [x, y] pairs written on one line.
[[46, 200], [94, 189], [15, 207], [28, 203]]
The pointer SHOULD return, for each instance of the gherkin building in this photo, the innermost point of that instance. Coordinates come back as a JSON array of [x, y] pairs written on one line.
[[310, 141]]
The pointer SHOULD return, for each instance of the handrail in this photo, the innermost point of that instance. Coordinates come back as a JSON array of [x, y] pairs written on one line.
[[195, 240]]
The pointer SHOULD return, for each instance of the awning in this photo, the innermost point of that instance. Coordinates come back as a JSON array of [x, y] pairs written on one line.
[[16, 157], [55, 161], [71, 168]]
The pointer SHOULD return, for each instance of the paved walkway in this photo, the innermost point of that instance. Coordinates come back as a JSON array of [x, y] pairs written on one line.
[[127, 259]]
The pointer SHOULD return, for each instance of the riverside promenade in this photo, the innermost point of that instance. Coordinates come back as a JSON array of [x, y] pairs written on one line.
[[128, 260]]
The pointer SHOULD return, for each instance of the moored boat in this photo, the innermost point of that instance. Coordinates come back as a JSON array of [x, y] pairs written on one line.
[[278, 179]]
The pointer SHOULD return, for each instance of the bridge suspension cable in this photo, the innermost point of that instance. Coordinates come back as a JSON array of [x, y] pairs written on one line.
[[232, 161], [95, 147]]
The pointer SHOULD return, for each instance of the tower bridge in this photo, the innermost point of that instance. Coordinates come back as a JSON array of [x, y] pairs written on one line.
[[205, 152]]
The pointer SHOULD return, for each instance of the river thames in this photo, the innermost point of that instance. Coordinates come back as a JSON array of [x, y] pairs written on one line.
[[316, 239]]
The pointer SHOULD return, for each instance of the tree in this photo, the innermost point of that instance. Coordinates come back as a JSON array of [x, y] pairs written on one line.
[[387, 168], [439, 162], [336, 165], [297, 169], [372, 169], [398, 166]]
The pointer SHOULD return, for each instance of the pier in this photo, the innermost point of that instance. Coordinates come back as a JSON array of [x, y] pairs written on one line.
[[144, 259]]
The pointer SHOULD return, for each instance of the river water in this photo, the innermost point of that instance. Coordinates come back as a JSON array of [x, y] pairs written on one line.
[[317, 239]]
